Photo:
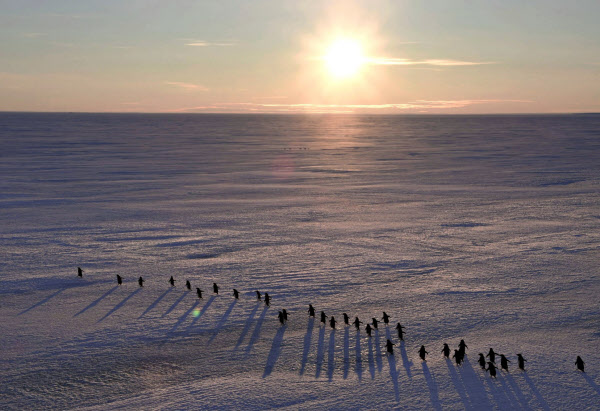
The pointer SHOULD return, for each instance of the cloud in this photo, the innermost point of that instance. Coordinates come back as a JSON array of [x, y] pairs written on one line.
[[187, 86], [202, 43], [413, 106], [34, 35], [429, 62]]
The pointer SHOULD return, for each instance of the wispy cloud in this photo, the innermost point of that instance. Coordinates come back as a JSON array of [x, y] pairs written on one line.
[[187, 86], [203, 43], [418, 105], [429, 62]]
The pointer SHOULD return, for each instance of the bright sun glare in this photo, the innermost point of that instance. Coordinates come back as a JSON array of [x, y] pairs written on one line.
[[344, 58]]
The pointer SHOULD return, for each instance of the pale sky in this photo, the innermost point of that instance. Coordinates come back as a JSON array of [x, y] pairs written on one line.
[[412, 56]]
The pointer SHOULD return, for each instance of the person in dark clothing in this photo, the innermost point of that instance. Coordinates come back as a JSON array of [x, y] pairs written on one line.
[[446, 350], [481, 361], [172, 281], [389, 346], [199, 292], [504, 362], [385, 318], [580, 364], [215, 288], [492, 355], [491, 369], [311, 310], [119, 279], [422, 352], [188, 285], [346, 319], [141, 281], [79, 272], [521, 362], [236, 294], [400, 332], [368, 329]]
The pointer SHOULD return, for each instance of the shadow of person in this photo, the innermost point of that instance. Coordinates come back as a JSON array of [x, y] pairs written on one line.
[[331, 355], [275, 351], [394, 375], [405, 361], [320, 351], [121, 304], [93, 303], [222, 321], [432, 385], [256, 332], [307, 338], [151, 306], [246, 326], [44, 301], [358, 354]]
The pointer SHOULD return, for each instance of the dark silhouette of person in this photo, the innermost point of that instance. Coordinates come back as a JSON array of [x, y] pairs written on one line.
[[258, 295], [481, 361], [389, 346], [357, 323], [375, 323], [446, 350], [119, 279], [521, 362], [332, 322], [504, 362], [199, 292], [323, 317], [400, 332], [346, 319], [280, 316], [492, 355], [580, 364], [422, 353], [311, 310], [462, 347], [491, 369], [457, 357], [79, 272], [285, 314], [141, 281], [267, 300], [215, 288], [172, 281], [236, 294], [385, 318], [188, 285], [368, 329]]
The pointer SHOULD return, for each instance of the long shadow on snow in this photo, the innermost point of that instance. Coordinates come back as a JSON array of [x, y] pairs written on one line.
[[405, 361], [358, 356], [151, 306], [458, 385], [346, 352], [517, 391], [499, 395], [307, 338], [432, 385], [256, 332], [508, 394], [222, 321], [183, 317], [171, 308], [331, 355], [246, 326], [473, 385], [378, 351], [93, 303], [45, 300], [591, 382], [275, 351], [320, 350], [201, 313], [394, 375], [121, 304], [536, 392], [371, 359]]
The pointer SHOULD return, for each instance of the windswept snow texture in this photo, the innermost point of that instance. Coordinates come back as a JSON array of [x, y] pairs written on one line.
[[482, 228]]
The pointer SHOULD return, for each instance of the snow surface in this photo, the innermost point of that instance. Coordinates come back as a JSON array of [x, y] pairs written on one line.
[[483, 228]]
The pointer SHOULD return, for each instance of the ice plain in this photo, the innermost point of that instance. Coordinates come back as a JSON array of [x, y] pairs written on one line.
[[483, 228]]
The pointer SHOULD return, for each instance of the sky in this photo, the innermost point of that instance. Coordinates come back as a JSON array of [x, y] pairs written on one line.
[[278, 56]]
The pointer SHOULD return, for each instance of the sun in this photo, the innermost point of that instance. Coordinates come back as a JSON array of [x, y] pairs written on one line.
[[344, 58]]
